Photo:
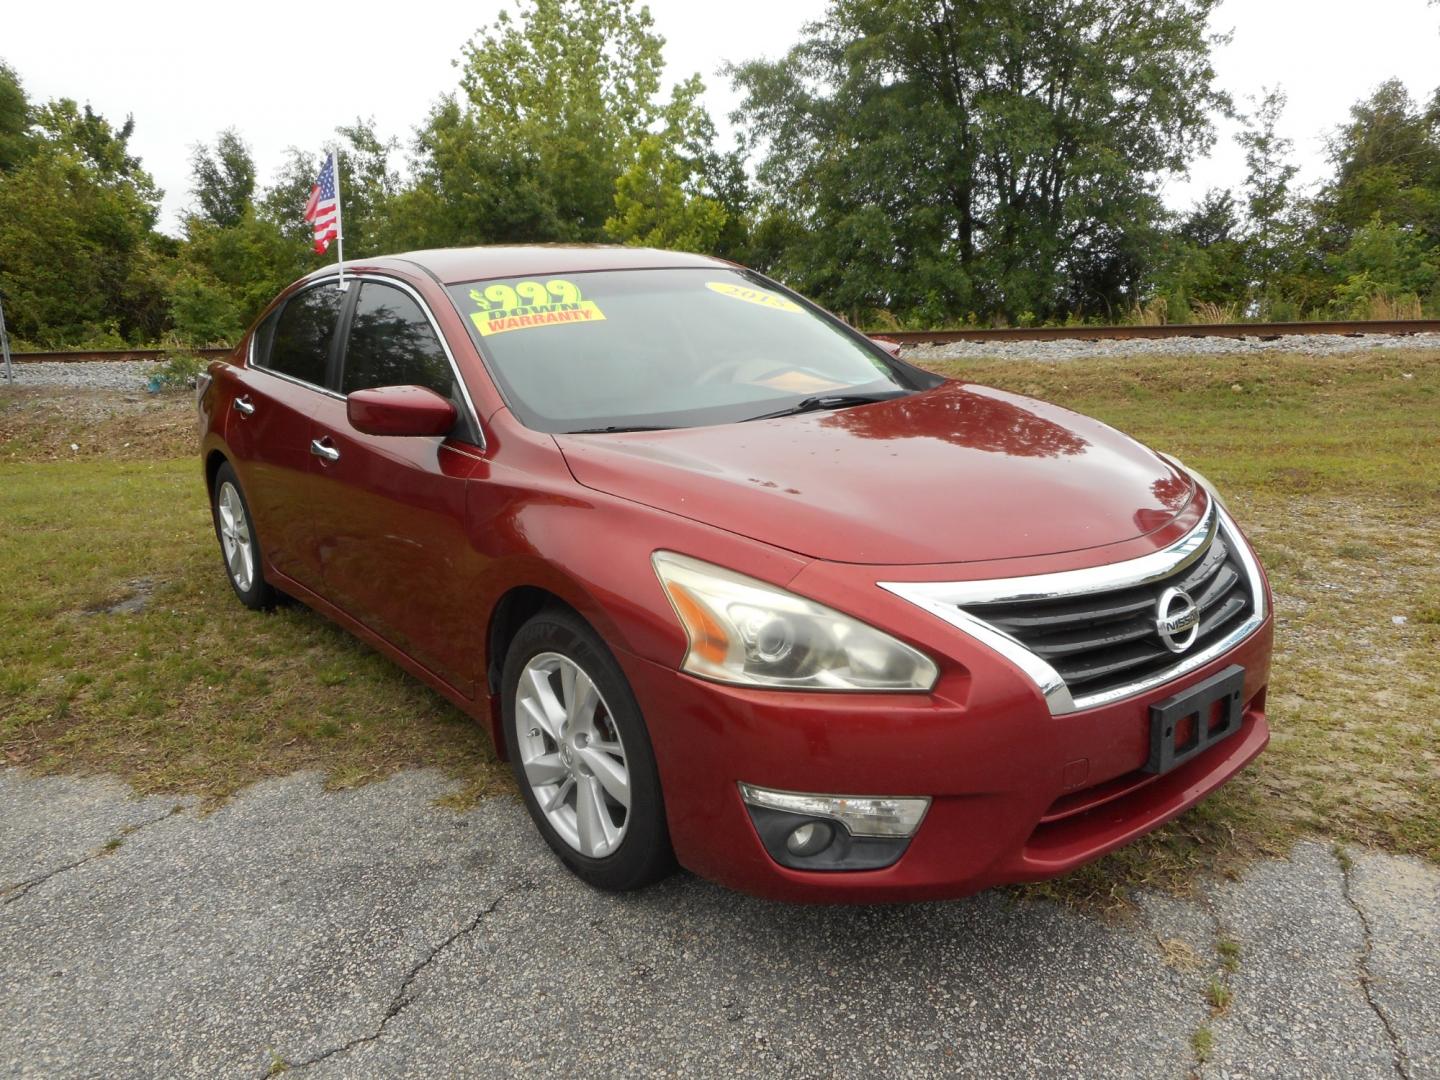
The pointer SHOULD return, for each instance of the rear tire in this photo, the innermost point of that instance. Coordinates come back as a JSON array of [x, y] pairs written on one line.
[[239, 543], [581, 754]]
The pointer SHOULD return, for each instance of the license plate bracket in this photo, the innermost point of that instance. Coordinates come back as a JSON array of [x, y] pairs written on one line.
[[1187, 724]]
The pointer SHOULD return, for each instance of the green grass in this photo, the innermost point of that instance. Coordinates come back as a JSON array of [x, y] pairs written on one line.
[[1219, 996], [1229, 950], [1332, 465], [1275, 424], [193, 692], [1203, 1043]]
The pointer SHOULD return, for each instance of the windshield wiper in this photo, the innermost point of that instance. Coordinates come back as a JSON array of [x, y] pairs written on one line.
[[830, 401], [615, 427]]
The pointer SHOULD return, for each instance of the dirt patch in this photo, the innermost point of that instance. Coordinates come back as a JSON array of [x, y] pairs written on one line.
[[64, 424], [135, 597]]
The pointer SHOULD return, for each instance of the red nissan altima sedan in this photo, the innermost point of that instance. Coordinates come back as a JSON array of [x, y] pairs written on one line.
[[730, 584]]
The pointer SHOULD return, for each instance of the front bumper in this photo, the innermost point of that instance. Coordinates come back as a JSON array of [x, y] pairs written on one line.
[[1018, 793]]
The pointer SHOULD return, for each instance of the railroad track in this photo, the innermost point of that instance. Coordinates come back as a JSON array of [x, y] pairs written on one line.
[[1262, 331], [152, 355]]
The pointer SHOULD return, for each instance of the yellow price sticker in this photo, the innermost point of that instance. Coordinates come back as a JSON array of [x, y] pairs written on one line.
[[753, 296], [528, 304]]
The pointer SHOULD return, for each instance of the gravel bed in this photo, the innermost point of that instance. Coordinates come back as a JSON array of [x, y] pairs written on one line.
[[1309, 344], [132, 374], [92, 375]]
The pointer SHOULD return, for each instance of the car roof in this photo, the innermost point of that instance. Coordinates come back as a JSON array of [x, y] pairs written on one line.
[[454, 265]]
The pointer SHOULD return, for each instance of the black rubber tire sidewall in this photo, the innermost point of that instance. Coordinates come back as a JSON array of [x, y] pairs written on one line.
[[260, 596], [644, 855]]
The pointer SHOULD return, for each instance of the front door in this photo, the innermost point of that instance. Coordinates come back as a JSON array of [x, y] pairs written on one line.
[[389, 512]]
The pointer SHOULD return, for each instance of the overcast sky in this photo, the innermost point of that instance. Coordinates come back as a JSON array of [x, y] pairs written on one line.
[[187, 72]]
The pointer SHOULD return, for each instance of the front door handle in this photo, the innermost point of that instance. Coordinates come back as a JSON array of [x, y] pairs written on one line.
[[321, 448], [243, 405]]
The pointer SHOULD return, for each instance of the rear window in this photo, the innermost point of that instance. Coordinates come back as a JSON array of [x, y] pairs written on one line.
[[300, 345], [663, 348]]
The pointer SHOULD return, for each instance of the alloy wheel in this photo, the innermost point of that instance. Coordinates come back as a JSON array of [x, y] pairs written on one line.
[[235, 538], [572, 754]]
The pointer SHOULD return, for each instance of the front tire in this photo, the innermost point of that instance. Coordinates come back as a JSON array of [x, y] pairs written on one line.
[[581, 754], [239, 545]]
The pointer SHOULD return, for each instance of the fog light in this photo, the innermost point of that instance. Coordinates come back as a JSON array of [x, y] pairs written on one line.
[[861, 815], [809, 839], [833, 832]]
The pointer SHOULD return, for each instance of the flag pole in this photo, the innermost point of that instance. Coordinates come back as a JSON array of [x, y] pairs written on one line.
[[339, 222], [5, 345]]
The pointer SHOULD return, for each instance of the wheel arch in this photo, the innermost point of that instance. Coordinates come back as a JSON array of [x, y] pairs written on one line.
[[517, 606], [213, 460]]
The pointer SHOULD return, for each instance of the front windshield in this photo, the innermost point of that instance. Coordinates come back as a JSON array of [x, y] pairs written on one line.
[[664, 348]]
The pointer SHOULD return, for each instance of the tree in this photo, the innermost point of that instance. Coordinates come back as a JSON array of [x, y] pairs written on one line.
[[224, 179], [1388, 263], [664, 198], [14, 119], [232, 266], [556, 104], [1387, 163], [227, 272], [655, 207], [569, 87], [234, 258], [1377, 221], [223, 277], [469, 189], [101, 147], [78, 257], [1201, 259], [368, 186], [948, 156], [1267, 189]]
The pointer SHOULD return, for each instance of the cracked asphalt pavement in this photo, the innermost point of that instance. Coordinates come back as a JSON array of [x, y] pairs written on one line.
[[371, 933]]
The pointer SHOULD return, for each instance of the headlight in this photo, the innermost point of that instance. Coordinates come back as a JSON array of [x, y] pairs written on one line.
[[746, 632]]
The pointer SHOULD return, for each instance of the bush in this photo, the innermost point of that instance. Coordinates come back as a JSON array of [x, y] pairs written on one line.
[[177, 372], [1280, 310], [202, 310]]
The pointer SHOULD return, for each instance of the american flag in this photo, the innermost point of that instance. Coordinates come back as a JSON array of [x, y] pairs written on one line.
[[322, 210]]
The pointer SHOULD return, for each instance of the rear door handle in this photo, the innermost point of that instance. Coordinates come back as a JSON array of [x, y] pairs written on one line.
[[321, 448], [243, 406]]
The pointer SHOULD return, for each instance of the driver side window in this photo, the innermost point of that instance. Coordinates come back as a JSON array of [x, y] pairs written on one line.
[[393, 344]]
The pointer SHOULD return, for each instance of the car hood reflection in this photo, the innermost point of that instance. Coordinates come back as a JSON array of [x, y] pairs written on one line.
[[954, 474]]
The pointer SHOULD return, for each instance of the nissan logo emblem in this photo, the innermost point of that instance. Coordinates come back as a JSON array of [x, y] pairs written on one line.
[[1177, 620]]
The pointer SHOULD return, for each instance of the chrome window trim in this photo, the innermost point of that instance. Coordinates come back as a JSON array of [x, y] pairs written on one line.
[[944, 600], [297, 382], [407, 288]]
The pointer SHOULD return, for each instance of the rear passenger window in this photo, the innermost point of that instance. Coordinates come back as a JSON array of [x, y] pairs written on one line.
[[303, 333], [264, 334], [392, 344]]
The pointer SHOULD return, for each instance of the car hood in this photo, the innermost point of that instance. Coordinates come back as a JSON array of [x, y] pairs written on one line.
[[955, 474]]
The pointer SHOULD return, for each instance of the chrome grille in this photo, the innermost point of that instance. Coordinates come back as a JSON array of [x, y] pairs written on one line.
[[1090, 637], [1100, 640]]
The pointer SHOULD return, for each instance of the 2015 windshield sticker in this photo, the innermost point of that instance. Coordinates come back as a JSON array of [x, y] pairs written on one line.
[[753, 296], [529, 304]]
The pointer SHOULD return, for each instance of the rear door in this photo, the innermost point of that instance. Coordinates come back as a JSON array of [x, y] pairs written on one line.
[[389, 511], [269, 428]]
